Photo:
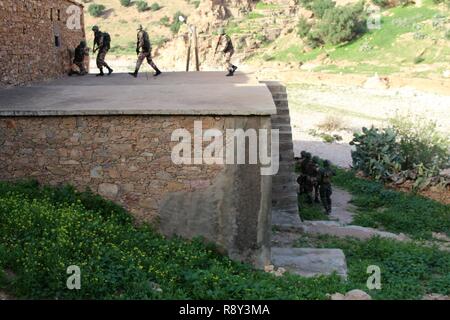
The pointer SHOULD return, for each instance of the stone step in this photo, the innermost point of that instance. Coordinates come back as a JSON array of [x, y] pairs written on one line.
[[280, 190], [283, 111], [285, 178], [310, 262], [284, 201], [286, 220], [279, 96], [339, 230], [281, 103], [280, 119]]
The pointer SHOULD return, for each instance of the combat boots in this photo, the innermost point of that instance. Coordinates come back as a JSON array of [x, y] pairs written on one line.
[[110, 71], [101, 74], [133, 74], [157, 73], [232, 71]]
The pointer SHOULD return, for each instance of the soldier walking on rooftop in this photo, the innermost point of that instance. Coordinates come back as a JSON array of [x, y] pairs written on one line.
[[144, 51], [227, 48], [102, 43]]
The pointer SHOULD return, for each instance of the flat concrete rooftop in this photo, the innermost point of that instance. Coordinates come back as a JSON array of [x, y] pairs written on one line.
[[172, 93]]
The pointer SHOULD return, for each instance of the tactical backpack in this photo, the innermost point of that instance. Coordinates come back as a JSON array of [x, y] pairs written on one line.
[[106, 40]]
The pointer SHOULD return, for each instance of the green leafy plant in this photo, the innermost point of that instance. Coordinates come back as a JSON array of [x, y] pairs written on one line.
[[96, 10], [125, 3], [303, 27], [142, 6], [155, 6], [176, 23], [420, 142], [377, 153], [342, 23]]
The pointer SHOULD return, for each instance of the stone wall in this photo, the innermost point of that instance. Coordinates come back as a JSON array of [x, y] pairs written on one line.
[[128, 159], [35, 40]]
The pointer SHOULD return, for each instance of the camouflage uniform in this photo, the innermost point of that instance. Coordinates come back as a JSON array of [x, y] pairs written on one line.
[[228, 50], [144, 51], [80, 53], [310, 177], [315, 179], [325, 175], [103, 49]]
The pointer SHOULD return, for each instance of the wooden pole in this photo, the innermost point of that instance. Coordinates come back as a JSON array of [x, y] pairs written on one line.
[[197, 62]]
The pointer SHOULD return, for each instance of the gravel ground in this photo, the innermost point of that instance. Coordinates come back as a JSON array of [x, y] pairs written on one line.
[[354, 107]]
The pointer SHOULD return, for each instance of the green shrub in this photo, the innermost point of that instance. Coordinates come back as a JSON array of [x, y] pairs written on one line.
[[155, 6], [96, 10], [382, 3], [420, 142], [176, 23], [319, 7], [165, 21], [303, 27], [125, 3], [342, 23], [142, 6], [376, 153]]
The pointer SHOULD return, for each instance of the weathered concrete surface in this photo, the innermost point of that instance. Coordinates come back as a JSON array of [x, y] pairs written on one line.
[[310, 262], [177, 93], [336, 229], [234, 212]]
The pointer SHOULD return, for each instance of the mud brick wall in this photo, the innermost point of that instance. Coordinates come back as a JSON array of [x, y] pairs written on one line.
[[28, 50], [128, 159]]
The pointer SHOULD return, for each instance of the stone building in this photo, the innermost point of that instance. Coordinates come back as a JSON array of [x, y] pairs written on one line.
[[37, 38]]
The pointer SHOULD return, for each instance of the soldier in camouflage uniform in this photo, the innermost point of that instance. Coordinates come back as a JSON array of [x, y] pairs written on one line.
[[144, 51], [103, 43], [315, 179], [310, 174], [80, 53], [325, 176], [228, 50]]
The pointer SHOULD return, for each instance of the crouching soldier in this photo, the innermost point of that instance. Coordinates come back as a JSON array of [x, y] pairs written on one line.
[[325, 189], [144, 51], [102, 44], [227, 49], [80, 53]]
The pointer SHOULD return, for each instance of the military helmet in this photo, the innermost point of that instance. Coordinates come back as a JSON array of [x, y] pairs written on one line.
[[95, 28], [221, 31], [140, 28], [326, 163], [83, 43], [303, 154], [315, 159], [308, 155]]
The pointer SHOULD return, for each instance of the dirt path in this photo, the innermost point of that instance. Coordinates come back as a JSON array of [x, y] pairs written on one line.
[[343, 210]]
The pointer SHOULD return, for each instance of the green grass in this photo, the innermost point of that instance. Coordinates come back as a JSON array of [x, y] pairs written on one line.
[[44, 230], [383, 50], [314, 211], [394, 211], [266, 6], [408, 271]]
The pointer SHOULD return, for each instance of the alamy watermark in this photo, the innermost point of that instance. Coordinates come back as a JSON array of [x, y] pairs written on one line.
[[374, 280], [74, 280], [74, 17], [229, 148]]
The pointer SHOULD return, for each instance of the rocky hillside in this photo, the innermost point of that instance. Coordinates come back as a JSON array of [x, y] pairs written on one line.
[[412, 39]]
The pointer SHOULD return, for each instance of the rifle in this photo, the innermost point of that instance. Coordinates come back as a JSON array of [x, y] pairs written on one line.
[[217, 46]]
